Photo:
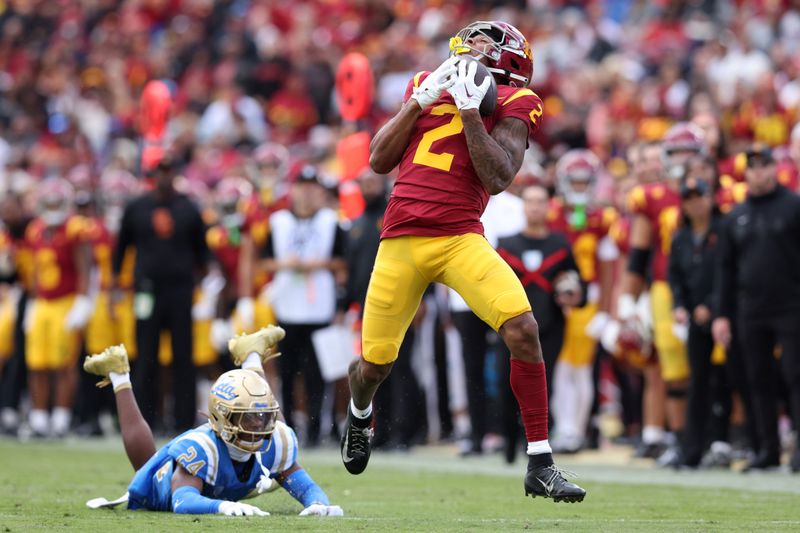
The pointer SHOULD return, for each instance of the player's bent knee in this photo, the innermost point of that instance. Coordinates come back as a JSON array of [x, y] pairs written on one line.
[[373, 373], [521, 335]]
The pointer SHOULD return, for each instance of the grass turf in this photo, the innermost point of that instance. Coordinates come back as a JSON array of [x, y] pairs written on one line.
[[44, 485]]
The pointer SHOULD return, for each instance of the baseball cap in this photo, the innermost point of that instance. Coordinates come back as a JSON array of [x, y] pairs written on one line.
[[307, 174], [759, 150], [692, 185]]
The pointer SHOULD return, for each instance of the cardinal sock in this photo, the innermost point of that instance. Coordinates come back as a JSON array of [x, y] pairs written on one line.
[[529, 384]]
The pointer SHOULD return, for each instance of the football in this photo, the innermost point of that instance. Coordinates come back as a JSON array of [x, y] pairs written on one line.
[[490, 98]]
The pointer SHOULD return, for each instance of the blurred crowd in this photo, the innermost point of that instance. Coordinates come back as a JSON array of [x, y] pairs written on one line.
[[251, 138]]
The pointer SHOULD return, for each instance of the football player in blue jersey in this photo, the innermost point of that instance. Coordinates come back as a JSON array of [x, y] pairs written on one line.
[[243, 450]]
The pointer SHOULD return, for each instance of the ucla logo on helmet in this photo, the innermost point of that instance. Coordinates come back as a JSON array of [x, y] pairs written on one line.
[[225, 390]]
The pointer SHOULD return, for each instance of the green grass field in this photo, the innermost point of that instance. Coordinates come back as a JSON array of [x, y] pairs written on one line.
[[44, 485]]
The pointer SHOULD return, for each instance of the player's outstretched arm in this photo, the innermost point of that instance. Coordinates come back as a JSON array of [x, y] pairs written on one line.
[[497, 157], [389, 144], [187, 499], [299, 484]]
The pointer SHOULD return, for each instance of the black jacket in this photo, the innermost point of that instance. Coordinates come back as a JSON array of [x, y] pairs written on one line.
[[170, 241], [692, 264], [758, 268]]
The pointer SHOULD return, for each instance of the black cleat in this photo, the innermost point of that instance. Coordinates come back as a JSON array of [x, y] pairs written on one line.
[[548, 481], [355, 443]]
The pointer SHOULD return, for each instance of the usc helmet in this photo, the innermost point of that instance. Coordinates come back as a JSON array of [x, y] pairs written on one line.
[[509, 54], [242, 409], [54, 200], [228, 195], [681, 142], [577, 166]]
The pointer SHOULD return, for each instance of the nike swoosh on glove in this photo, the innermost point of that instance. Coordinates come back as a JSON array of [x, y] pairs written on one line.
[[465, 93], [437, 81]]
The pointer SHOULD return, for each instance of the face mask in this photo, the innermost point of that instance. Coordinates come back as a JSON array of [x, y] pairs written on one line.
[[54, 217]]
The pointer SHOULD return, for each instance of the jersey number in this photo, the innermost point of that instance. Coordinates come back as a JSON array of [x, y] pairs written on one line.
[[185, 460], [48, 274], [443, 161]]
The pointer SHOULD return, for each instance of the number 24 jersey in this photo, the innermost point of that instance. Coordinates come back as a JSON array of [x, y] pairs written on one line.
[[437, 191]]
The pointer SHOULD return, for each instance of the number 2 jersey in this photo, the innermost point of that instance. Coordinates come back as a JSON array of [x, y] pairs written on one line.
[[437, 191], [203, 454]]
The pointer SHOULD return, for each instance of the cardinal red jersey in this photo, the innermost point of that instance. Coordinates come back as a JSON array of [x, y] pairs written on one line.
[[583, 232], [55, 271], [225, 244], [662, 208], [103, 242], [620, 233], [437, 191]]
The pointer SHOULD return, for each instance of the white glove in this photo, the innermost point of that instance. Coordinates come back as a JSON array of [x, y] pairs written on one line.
[[317, 509], [210, 287], [609, 335], [626, 307], [246, 312], [240, 509], [27, 320], [205, 308], [79, 313], [221, 333], [597, 324], [440, 79], [466, 94]]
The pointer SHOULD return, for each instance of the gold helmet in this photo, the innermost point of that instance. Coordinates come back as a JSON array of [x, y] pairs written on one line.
[[242, 409]]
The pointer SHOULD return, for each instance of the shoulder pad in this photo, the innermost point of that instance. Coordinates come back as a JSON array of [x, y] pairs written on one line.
[[197, 452]]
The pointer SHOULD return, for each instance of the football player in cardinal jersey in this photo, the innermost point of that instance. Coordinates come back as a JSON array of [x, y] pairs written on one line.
[[586, 227], [450, 160], [61, 309], [237, 222], [656, 215], [112, 320], [243, 451]]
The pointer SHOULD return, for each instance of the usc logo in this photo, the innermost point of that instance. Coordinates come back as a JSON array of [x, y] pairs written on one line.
[[163, 225]]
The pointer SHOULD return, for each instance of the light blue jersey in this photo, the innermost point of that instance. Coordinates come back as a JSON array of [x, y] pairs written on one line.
[[202, 453]]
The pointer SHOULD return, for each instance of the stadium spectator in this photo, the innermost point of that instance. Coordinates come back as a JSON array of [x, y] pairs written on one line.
[[544, 263], [758, 266], [304, 249], [169, 236], [691, 275]]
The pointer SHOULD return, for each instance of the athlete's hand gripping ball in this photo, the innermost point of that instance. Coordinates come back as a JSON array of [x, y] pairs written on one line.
[[466, 93], [437, 81]]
